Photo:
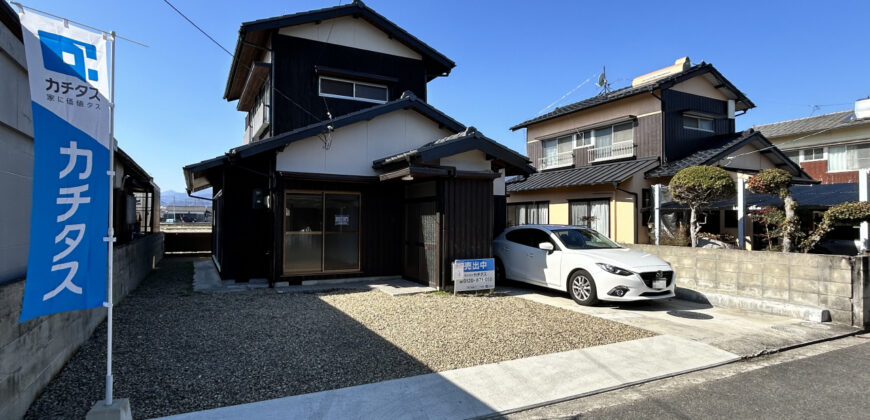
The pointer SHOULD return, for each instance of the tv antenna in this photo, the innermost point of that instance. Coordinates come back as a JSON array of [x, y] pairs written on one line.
[[602, 82]]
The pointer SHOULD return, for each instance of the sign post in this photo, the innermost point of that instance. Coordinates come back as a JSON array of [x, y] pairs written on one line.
[[471, 275], [73, 95]]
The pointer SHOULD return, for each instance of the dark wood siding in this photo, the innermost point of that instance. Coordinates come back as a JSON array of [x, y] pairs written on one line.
[[467, 221], [294, 75], [535, 151], [648, 136], [680, 142], [499, 212], [380, 227], [245, 233]]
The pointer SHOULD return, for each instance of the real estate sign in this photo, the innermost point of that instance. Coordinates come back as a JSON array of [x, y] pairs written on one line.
[[69, 87], [473, 274]]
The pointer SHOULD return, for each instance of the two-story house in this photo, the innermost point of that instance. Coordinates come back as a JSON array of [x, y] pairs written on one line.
[[345, 170], [598, 157], [832, 148]]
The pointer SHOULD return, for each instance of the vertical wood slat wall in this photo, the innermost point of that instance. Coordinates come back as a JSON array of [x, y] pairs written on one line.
[[466, 207]]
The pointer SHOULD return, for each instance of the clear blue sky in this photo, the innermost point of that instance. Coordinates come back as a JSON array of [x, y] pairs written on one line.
[[513, 59]]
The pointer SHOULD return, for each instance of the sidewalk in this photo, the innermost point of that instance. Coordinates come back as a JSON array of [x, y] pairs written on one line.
[[495, 388]]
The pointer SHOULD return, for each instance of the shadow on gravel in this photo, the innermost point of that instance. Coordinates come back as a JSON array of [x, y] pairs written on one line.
[[178, 351]]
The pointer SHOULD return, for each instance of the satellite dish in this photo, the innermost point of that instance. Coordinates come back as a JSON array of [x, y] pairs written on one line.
[[602, 79]]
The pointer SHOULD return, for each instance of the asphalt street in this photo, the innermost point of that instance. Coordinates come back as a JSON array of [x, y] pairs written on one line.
[[833, 385]]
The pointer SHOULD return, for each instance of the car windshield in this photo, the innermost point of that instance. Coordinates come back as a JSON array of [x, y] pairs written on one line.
[[582, 238]]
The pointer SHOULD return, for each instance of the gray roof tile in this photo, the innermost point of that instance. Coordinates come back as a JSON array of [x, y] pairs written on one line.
[[588, 175], [810, 124]]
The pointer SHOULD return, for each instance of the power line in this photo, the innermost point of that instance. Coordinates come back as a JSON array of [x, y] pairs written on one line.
[[231, 54], [197, 27], [731, 158], [567, 94]]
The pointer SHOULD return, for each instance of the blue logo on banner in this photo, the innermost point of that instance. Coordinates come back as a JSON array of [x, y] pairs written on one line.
[[67, 56], [66, 268]]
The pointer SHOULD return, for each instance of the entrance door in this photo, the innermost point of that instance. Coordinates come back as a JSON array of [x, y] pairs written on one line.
[[421, 242]]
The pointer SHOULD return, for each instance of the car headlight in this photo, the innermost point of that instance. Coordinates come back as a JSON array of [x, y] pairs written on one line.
[[614, 269]]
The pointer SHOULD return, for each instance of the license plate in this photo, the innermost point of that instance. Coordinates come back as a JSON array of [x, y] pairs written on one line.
[[659, 284]]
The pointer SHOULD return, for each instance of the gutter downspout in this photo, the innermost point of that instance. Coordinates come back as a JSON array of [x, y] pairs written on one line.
[[633, 194]]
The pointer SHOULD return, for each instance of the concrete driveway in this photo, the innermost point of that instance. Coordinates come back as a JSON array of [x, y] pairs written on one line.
[[737, 331]]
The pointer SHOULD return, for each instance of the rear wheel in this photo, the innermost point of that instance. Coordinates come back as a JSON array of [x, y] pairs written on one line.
[[499, 272], [581, 287]]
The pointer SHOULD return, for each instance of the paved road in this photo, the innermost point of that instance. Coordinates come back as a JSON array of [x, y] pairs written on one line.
[[834, 385]]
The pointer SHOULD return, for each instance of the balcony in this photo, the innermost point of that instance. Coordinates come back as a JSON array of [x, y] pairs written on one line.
[[623, 149], [556, 161]]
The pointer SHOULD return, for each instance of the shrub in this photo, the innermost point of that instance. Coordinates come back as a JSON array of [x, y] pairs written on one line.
[[698, 186], [851, 213], [777, 181]]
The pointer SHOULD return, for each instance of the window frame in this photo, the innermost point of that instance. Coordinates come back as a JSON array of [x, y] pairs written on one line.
[[803, 154], [354, 83], [698, 119], [535, 204], [323, 232]]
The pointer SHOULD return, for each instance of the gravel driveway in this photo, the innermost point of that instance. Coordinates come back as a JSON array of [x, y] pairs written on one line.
[[178, 351]]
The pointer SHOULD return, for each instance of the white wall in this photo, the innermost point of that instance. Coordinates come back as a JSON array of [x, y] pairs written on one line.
[[472, 160], [356, 146], [16, 157], [351, 32]]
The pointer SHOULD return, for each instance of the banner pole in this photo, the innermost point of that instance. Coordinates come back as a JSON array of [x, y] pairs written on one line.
[[111, 235]]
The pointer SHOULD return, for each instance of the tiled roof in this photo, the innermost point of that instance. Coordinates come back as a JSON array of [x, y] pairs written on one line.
[[810, 124], [589, 175], [625, 92], [702, 157], [468, 139]]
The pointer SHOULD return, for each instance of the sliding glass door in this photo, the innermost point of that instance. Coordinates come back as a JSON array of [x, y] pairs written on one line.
[[321, 232]]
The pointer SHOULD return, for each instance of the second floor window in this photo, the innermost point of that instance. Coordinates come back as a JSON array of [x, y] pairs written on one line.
[[697, 123], [817, 153], [848, 157], [558, 152], [349, 89]]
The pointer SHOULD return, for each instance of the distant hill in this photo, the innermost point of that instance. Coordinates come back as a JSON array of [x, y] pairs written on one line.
[[175, 198]]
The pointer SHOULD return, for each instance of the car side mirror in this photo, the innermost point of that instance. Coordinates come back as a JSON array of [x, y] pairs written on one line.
[[546, 246]]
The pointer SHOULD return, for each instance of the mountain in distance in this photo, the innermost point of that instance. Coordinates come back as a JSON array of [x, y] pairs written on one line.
[[175, 198]]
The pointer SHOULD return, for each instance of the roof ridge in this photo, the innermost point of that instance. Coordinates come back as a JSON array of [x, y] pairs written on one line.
[[799, 119]]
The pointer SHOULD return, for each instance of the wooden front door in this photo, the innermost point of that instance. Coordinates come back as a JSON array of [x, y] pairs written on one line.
[[421, 242]]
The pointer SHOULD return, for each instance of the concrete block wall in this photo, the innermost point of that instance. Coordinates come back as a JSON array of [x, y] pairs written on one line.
[[833, 282], [32, 352]]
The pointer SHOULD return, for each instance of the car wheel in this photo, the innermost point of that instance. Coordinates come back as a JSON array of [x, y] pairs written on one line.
[[499, 272], [581, 287]]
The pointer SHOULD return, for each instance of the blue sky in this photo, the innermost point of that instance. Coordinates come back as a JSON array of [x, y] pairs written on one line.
[[513, 59]]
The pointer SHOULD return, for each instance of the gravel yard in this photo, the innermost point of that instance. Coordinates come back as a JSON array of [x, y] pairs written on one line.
[[179, 351]]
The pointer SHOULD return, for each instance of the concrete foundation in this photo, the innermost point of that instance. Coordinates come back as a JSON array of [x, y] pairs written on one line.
[[119, 409]]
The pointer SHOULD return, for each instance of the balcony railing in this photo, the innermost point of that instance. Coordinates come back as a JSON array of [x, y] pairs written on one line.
[[619, 150], [556, 161]]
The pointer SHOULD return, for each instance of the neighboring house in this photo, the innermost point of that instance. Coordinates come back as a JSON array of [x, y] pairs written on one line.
[[188, 214], [831, 147], [598, 158], [345, 170]]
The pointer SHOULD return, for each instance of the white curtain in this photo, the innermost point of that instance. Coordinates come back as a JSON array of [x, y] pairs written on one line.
[[601, 217], [579, 212], [543, 213], [521, 219], [838, 158]]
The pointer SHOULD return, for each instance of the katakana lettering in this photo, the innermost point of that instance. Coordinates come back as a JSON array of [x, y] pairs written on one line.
[[82, 90], [71, 244], [96, 94], [67, 284], [66, 87], [52, 82], [74, 200], [74, 152]]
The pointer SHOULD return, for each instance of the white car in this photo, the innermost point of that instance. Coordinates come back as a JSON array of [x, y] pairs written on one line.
[[582, 262]]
